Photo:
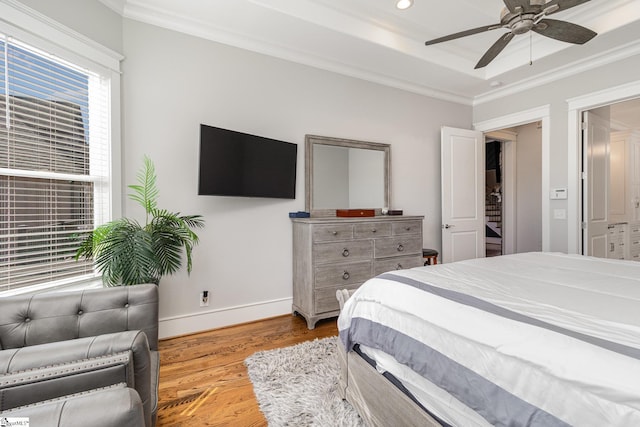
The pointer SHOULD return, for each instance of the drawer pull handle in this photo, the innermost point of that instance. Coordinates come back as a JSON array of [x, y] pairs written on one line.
[[345, 252], [407, 228], [335, 233], [373, 230], [345, 275], [400, 247], [399, 267]]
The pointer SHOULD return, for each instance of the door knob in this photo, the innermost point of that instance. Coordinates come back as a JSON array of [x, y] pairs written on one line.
[[447, 226]]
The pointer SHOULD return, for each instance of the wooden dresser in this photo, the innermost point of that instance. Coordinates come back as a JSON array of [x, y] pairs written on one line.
[[341, 253]]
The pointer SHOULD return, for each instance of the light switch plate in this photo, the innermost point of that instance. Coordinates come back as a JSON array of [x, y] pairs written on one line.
[[559, 214]]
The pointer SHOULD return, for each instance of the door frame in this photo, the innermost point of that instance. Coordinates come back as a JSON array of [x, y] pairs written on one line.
[[541, 114], [576, 106], [508, 141]]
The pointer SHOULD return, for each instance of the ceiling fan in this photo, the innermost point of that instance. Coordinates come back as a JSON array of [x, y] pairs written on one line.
[[522, 16]]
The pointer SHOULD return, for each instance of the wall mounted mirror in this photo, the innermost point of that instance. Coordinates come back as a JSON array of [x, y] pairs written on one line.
[[345, 174]]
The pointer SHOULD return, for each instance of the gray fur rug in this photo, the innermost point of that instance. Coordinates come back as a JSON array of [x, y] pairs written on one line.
[[298, 385]]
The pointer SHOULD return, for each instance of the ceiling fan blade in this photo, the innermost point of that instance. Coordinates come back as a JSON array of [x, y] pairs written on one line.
[[463, 34], [562, 5], [564, 31], [494, 50], [513, 5]]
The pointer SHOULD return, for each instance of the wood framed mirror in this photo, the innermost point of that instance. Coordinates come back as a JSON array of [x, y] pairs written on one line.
[[345, 174]]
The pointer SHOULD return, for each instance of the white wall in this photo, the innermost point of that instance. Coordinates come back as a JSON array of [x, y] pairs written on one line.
[[173, 82], [528, 190], [556, 94]]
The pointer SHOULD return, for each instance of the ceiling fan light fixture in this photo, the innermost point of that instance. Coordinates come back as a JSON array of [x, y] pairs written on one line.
[[404, 4]]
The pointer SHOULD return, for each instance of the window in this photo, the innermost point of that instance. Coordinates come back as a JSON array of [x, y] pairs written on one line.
[[54, 165]]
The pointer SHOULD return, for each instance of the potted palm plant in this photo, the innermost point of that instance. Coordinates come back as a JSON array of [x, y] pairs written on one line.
[[129, 253]]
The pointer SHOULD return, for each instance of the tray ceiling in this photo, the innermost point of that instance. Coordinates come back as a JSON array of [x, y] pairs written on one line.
[[372, 40]]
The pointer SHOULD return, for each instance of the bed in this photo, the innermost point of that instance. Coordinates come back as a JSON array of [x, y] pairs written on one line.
[[535, 339]]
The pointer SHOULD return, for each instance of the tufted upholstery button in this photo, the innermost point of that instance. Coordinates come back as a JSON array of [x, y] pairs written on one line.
[[26, 319], [126, 306], [80, 312]]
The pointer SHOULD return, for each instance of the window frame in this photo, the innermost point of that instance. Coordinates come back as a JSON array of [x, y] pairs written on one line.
[[35, 29]]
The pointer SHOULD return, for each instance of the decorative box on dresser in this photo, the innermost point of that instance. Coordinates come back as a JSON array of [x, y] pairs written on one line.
[[341, 253]]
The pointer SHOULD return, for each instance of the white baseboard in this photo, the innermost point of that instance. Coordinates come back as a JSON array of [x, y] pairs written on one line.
[[218, 318]]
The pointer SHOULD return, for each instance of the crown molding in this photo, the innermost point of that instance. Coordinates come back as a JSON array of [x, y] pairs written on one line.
[[622, 52], [27, 21], [115, 5], [141, 12]]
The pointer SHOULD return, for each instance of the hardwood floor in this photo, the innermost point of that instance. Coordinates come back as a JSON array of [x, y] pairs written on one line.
[[203, 379]]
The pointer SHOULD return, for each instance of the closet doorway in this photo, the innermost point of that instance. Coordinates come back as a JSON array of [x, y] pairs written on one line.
[[513, 190], [495, 221]]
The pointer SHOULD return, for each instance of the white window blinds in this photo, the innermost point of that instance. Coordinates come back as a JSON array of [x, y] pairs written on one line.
[[54, 155]]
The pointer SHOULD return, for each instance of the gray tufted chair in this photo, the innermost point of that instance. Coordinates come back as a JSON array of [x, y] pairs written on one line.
[[81, 348]]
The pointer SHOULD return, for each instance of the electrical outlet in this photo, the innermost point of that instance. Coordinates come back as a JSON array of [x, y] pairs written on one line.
[[204, 299]]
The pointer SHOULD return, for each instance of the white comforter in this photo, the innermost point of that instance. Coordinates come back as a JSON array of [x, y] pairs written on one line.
[[556, 333]]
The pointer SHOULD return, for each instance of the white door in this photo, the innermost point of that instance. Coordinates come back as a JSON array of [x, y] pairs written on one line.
[[596, 185], [462, 165]]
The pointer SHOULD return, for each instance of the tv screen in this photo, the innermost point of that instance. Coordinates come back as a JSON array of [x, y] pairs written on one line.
[[239, 164]]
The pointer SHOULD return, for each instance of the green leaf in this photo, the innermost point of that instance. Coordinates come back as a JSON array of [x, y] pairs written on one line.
[[146, 192], [126, 255]]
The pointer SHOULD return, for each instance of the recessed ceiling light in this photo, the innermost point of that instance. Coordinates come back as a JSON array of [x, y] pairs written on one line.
[[404, 4]]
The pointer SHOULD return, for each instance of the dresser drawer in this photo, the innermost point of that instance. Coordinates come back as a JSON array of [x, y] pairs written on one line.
[[372, 230], [342, 251], [617, 229], [396, 246], [342, 274], [325, 299], [406, 227], [332, 232], [396, 263]]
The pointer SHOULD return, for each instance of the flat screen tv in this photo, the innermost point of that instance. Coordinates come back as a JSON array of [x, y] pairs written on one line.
[[239, 164]]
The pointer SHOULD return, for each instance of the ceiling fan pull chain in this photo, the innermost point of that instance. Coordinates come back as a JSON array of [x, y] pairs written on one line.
[[530, 48]]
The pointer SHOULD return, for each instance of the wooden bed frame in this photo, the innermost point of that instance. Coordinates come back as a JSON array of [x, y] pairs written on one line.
[[378, 401]]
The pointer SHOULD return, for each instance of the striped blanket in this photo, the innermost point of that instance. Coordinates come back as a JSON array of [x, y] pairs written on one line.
[[535, 339]]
